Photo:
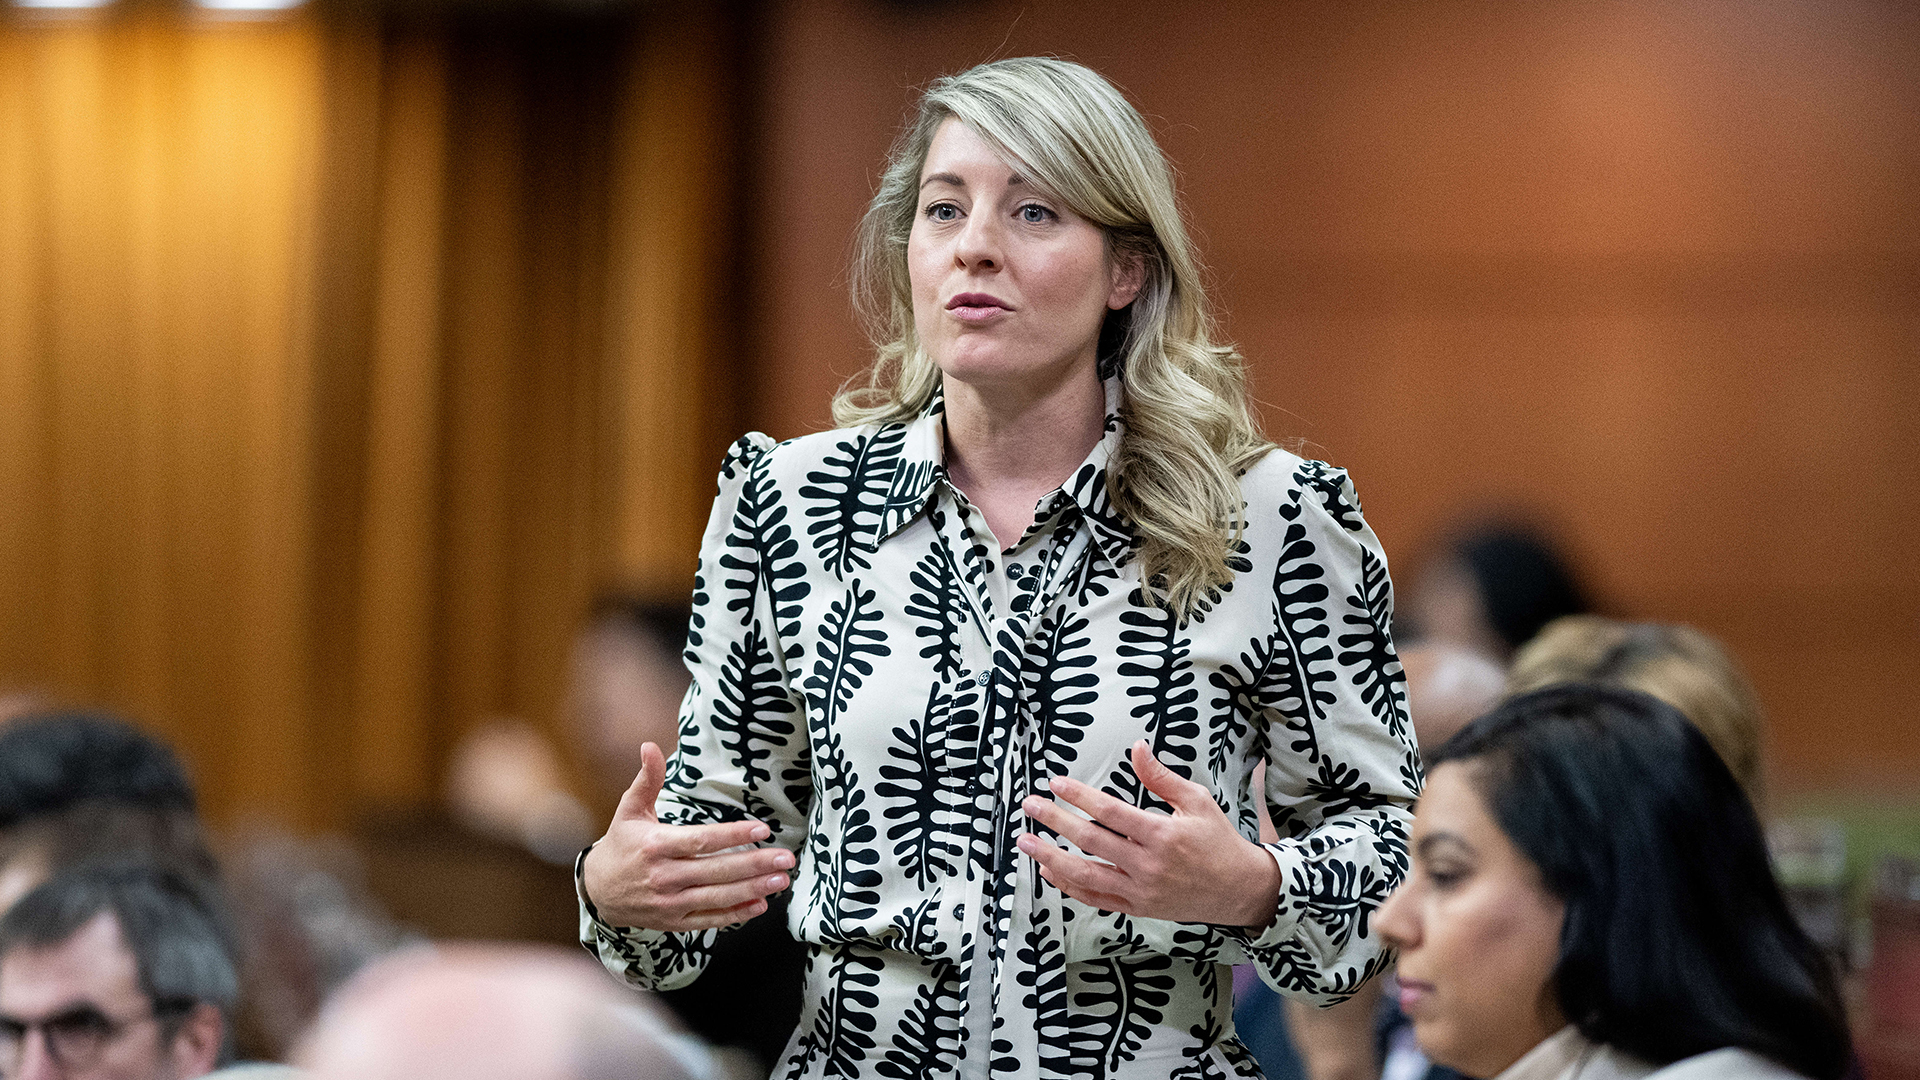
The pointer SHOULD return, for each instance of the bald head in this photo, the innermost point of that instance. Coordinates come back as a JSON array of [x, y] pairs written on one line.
[[486, 1012], [1447, 686]]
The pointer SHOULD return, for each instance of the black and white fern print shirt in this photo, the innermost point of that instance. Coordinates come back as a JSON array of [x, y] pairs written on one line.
[[881, 686]]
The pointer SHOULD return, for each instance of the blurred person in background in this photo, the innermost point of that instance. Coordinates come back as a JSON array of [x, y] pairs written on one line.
[[1591, 897], [306, 924], [471, 1012], [1677, 664], [1046, 516], [506, 781], [81, 787], [1447, 686], [1688, 669], [624, 687], [114, 972], [1491, 590], [626, 680]]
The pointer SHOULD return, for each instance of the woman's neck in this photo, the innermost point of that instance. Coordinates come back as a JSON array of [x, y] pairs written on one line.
[[1007, 448]]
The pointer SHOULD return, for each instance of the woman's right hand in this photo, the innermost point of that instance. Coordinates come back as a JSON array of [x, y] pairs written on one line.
[[668, 877]]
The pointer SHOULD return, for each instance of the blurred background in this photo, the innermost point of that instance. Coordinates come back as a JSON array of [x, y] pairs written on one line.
[[349, 350]]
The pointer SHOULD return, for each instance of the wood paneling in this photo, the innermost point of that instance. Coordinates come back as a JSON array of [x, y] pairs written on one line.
[[325, 406], [158, 189], [1649, 270]]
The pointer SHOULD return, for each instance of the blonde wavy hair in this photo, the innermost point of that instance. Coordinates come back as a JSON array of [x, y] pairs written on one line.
[[1189, 429], [1681, 666]]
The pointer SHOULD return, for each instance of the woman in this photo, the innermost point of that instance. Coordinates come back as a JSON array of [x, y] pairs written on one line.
[[1047, 554], [1591, 898], [1677, 664], [1491, 588]]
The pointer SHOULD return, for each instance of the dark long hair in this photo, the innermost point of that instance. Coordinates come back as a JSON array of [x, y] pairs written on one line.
[[1677, 940]]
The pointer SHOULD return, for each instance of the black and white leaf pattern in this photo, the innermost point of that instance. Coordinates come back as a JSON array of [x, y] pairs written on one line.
[[938, 611], [1118, 1005], [911, 784], [846, 495], [926, 1042], [841, 1030], [1366, 649], [881, 683]]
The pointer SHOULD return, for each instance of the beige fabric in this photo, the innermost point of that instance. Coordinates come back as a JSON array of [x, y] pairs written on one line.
[[1567, 1055], [881, 683]]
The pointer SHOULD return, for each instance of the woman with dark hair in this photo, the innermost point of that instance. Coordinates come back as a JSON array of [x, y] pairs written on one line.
[[1492, 590], [1590, 897]]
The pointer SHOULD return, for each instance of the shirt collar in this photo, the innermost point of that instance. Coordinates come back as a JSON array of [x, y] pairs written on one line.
[[923, 469], [1556, 1057]]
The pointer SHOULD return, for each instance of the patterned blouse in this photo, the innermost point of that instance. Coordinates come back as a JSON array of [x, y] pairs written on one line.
[[881, 686]]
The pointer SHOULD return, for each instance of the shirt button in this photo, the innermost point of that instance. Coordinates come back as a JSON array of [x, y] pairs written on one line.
[[985, 678]]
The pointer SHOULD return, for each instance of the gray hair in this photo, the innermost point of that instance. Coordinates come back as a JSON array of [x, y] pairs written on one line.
[[176, 929]]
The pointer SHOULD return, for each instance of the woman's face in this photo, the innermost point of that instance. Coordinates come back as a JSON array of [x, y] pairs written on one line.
[[1478, 934], [1009, 286]]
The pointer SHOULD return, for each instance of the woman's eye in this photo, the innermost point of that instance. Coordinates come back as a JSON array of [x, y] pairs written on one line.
[[1035, 214], [1446, 877], [943, 212]]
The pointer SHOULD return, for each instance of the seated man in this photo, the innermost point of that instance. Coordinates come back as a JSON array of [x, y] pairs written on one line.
[[83, 787], [499, 1012], [114, 972]]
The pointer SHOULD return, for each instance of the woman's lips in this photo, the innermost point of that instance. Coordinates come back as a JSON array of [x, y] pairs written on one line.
[[977, 307], [1413, 993]]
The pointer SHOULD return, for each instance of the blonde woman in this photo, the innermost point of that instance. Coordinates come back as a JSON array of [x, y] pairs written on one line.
[[1682, 666], [983, 674]]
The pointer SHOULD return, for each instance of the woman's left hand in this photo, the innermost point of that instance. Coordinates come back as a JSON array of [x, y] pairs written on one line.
[[1189, 866]]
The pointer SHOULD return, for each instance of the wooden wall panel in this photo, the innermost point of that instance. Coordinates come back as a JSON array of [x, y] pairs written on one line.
[[342, 357], [1648, 269], [159, 189], [389, 754], [677, 175]]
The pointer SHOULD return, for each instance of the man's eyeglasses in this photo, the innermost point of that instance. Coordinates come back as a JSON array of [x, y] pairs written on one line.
[[76, 1037]]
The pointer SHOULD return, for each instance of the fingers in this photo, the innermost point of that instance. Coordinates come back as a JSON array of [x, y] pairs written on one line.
[[1179, 792], [1081, 878], [1089, 836], [643, 888], [735, 894], [1123, 818], [713, 920], [671, 874], [637, 803], [689, 841]]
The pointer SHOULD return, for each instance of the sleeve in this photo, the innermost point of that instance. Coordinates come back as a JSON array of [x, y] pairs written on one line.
[[743, 747], [1342, 768]]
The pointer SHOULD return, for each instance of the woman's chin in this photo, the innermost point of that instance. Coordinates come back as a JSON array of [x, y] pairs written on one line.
[[1435, 1039], [994, 370], [1444, 1045]]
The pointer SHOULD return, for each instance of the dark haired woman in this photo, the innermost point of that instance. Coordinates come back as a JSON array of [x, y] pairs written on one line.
[[1590, 898]]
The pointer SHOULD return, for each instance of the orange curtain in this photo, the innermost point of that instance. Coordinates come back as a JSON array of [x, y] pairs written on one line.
[[340, 362]]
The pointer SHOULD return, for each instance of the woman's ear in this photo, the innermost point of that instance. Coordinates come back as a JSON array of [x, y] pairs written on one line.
[[1129, 274], [196, 1046]]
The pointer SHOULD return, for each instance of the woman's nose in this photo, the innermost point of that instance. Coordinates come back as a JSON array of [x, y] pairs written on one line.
[[978, 246], [1395, 919]]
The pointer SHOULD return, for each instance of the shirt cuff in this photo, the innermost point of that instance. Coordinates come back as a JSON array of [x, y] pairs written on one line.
[[592, 926], [1286, 915]]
